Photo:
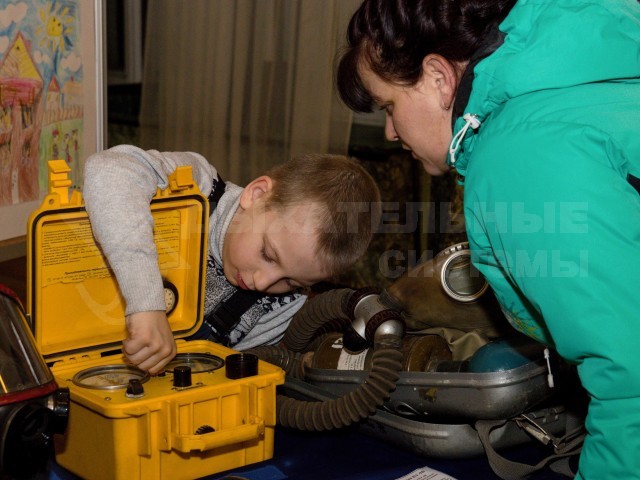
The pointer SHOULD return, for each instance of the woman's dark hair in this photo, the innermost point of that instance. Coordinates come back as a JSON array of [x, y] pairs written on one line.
[[392, 37]]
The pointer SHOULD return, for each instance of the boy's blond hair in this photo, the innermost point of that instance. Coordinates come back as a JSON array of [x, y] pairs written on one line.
[[348, 197]]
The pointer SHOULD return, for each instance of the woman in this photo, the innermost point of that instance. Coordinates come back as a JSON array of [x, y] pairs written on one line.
[[536, 104]]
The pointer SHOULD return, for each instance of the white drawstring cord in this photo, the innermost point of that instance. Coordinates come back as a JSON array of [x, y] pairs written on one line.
[[547, 355], [471, 120]]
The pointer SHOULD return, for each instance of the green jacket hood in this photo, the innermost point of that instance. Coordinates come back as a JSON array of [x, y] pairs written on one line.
[[550, 44]]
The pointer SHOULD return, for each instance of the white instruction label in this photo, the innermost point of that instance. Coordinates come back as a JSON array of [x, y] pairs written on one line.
[[348, 361], [426, 473]]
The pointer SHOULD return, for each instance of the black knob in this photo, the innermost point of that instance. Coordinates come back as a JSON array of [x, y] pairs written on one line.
[[134, 388], [241, 365], [203, 429], [61, 402], [182, 376]]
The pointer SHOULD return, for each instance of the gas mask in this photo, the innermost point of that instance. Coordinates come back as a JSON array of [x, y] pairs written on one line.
[[447, 291], [32, 407]]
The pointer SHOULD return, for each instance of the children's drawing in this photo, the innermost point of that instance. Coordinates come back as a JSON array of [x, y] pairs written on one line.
[[41, 94]]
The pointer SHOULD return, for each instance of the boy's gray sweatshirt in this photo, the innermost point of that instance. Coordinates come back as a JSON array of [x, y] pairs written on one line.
[[118, 186]]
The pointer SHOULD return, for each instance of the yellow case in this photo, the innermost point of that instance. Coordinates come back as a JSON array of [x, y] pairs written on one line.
[[77, 315]]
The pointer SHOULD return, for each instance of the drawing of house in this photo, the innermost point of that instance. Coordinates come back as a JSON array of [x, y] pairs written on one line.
[[53, 95], [21, 92]]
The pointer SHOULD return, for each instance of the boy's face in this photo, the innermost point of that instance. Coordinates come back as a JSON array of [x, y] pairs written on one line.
[[271, 251]]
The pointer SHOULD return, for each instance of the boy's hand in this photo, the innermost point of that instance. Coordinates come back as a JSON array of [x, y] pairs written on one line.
[[150, 344]]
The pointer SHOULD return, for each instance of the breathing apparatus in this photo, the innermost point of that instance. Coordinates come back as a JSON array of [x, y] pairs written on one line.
[[445, 291], [32, 407]]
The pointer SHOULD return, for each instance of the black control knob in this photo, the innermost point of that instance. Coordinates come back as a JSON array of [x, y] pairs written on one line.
[[61, 402], [182, 376], [134, 388]]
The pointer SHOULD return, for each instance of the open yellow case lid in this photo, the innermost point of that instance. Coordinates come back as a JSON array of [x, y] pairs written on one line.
[[72, 295]]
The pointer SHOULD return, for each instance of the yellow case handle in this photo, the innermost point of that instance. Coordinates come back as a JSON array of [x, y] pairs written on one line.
[[223, 438]]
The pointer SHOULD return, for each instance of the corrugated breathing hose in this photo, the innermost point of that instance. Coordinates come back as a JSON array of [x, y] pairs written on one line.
[[316, 316], [358, 404], [290, 362], [353, 406]]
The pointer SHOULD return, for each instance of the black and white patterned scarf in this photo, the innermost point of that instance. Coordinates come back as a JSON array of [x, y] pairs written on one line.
[[217, 290]]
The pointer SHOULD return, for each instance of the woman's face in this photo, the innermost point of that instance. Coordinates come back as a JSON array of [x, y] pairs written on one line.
[[416, 116]]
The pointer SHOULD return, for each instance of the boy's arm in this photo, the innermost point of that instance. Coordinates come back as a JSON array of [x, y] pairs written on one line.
[[118, 186]]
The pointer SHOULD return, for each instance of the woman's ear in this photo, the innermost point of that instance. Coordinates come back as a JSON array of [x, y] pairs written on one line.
[[256, 191], [443, 76]]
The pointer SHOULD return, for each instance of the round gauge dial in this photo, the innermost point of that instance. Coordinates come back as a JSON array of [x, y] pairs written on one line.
[[170, 296], [109, 377], [198, 362]]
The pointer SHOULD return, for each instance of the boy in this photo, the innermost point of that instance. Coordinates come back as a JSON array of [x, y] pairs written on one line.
[[302, 222]]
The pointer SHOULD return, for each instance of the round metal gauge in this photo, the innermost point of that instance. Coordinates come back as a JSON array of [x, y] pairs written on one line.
[[170, 296], [198, 362], [109, 377]]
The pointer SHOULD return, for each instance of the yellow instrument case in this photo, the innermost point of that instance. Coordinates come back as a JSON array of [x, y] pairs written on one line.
[[116, 431]]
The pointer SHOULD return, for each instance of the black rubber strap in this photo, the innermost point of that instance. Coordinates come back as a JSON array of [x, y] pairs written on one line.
[[564, 447], [216, 192], [223, 319], [226, 316]]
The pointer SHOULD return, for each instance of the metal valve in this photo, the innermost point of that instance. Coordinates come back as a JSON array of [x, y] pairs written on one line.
[[371, 319]]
